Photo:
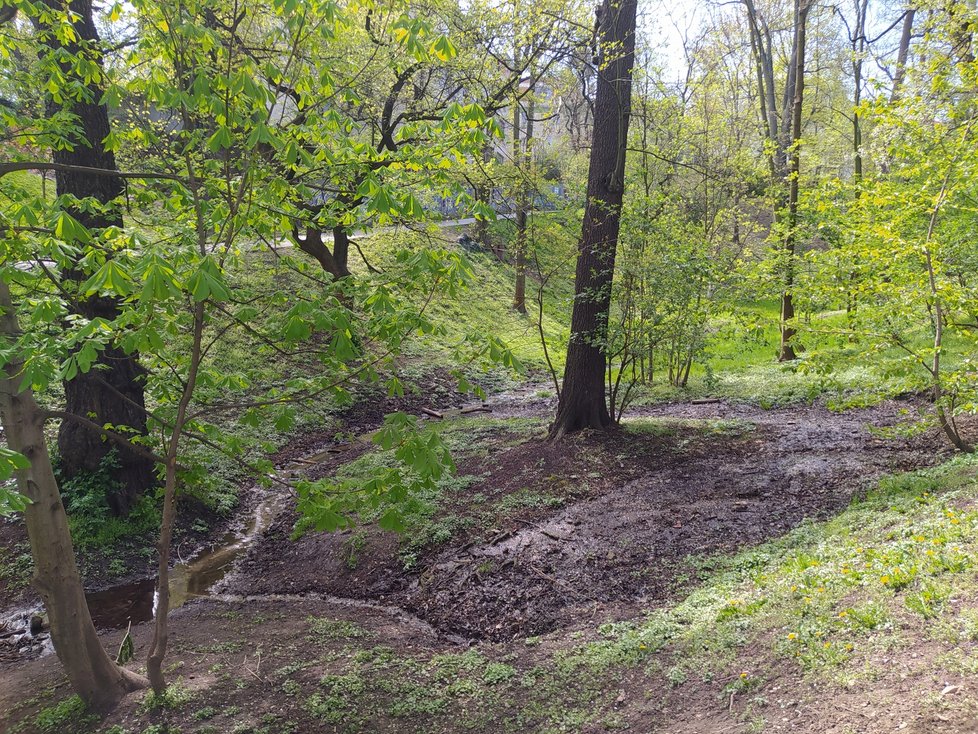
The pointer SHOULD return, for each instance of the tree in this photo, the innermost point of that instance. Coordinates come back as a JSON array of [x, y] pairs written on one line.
[[213, 175], [783, 140], [418, 94], [583, 402], [797, 90], [907, 238], [93, 674], [78, 125]]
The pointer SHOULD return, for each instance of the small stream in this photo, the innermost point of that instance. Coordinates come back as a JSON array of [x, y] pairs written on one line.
[[135, 602], [117, 606]]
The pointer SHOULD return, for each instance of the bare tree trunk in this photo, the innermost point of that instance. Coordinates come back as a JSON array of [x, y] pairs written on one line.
[[903, 53], [583, 402], [858, 42], [93, 674], [111, 392], [334, 261], [519, 295], [523, 204], [523, 153], [483, 194], [787, 303]]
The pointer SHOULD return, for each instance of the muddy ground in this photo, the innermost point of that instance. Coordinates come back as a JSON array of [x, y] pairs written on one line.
[[606, 524], [546, 538]]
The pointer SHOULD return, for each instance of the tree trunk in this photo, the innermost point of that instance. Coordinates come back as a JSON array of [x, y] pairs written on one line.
[[112, 391], [582, 401], [483, 194], [92, 673], [903, 53], [334, 261], [519, 296], [523, 154], [858, 49], [341, 253], [787, 304]]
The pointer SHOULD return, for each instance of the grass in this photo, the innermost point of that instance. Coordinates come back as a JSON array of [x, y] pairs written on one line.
[[828, 601], [487, 305], [828, 595], [668, 426], [835, 603], [24, 183], [69, 716]]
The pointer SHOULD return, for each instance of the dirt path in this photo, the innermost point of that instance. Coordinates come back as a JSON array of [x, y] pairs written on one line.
[[622, 520]]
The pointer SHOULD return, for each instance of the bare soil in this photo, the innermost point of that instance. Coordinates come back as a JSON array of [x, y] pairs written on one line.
[[608, 525], [627, 515]]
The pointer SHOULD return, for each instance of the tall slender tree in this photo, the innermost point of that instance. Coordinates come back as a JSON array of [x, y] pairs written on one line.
[[523, 159], [583, 403], [802, 8], [783, 137]]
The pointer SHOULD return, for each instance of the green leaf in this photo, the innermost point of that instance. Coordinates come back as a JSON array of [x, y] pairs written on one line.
[[158, 284], [111, 278], [208, 282], [11, 461], [69, 229], [443, 49], [220, 140]]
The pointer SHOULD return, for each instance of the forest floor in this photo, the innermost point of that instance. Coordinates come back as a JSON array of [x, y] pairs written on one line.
[[707, 568]]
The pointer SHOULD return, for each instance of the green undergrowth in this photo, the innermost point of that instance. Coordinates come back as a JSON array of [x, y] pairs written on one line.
[[486, 306], [739, 362], [829, 596], [668, 426], [436, 515], [20, 184]]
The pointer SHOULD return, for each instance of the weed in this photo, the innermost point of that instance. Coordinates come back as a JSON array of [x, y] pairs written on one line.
[[323, 629], [498, 673], [356, 543], [524, 499], [291, 687], [337, 700], [175, 696], [928, 600], [208, 712], [70, 715]]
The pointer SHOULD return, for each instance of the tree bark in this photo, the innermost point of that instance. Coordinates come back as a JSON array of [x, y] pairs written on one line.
[[787, 303], [92, 673], [483, 194], [858, 42], [523, 155], [112, 391], [903, 53], [583, 402], [334, 261]]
